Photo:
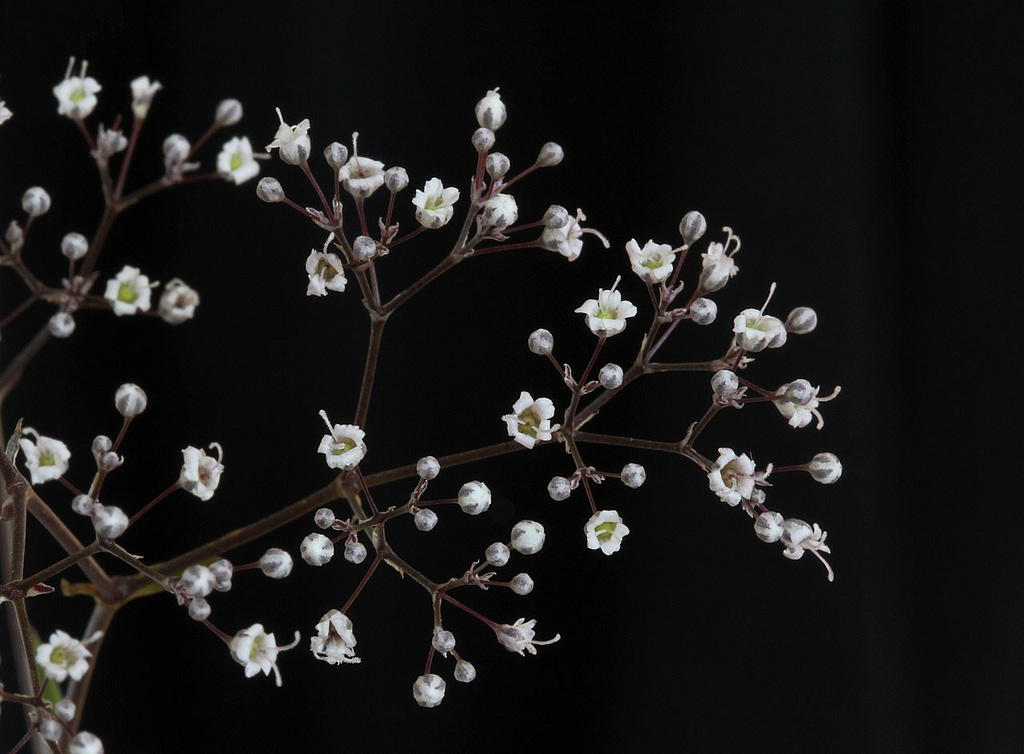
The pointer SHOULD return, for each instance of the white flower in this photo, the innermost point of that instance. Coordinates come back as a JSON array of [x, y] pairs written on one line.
[[605, 530], [5, 114], [500, 211], [235, 161], [607, 314], [562, 232], [325, 272], [143, 91], [733, 477], [128, 292], [334, 642], [45, 458], [257, 651], [653, 263], [717, 268], [343, 447], [434, 204], [756, 331], [200, 473], [530, 420], [76, 95], [178, 302], [63, 656], [519, 636], [292, 141], [361, 176], [799, 536]]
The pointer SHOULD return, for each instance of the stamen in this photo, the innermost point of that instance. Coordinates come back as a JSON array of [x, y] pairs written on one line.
[[327, 422]]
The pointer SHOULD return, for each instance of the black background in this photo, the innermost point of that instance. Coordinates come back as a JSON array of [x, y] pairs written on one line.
[[864, 153]]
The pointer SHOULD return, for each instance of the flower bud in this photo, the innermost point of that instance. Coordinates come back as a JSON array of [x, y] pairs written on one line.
[[355, 551], [130, 400], [324, 518], [396, 179], [74, 245], [61, 325], [474, 498], [610, 376], [497, 165], [100, 445], [522, 584], [65, 710], [276, 563], [365, 248], [550, 155], [541, 342], [692, 227], [109, 521], [556, 216], [825, 468], [724, 383], [176, 149], [316, 549], [500, 211], [559, 488], [222, 571], [464, 671], [443, 641], [428, 690], [703, 311], [228, 113], [197, 581], [425, 519], [497, 554], [633, 475], [336, 155], [483, 140], [109, 461], [802, 320], [177, 303], [82, 505], [800, 392], [490, 111], [35, 201], [428, 467], [768, 526], [270, 190], [85, 742], [527, 537], [50, 729], [14, 234], [199, 609]]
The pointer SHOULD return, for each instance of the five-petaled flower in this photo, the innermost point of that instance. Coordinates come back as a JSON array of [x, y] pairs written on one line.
[[605, 530], [325, 272], [236, 162], [607, 314], [717, 266], [361, 176], [562, 232], [76, 95], [257, 651], [292, 142], [129, 291], [733, 477], [63, 656], [530, 420], [343, 447], [143, 91], [178, 302], [519, 636], [434, 204], [45, 458], [653, 263], [200, 473], [334, 642]]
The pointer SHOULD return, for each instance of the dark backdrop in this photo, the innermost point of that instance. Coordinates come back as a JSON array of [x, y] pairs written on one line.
[[863, 151]]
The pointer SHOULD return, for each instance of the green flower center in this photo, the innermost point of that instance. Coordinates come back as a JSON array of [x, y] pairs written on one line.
[[78, 95], [47, 459], [236, 161], [126, 293], [528, 422], [607, 314], [605, 531], [342, 446]]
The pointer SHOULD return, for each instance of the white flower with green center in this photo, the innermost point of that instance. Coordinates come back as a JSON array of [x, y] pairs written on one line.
[[717, 267], [292, 142], [733, 477], [653, 263], [434, 204], [257, 651], [200, 473], [129, 292], [45, 458], [607, 314], [76, 95], [343, 447], [63, 656], [236, 162], [530, 420], [605, 530], [361, 176]]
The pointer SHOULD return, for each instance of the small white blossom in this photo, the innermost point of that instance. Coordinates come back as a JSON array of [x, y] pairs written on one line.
[[343, 447], [128, 292], [325, 272], [334, 642], [428, 690], [434, 204], [562, 232], [519, 636], [527, 537], [652, 263], [607, 314], [178, 302], [605, 530], [200, 473], [530, 420], [756, 331], [799, 536], [63, 656], [257, 651], [45, 458], [717, 267], [733, 477], [292, 142], [143, 91], [361, 176], [76, 95], [236, 162]]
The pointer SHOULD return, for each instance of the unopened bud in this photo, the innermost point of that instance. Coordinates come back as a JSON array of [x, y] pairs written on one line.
[[74, 245], [703, 311], [35, 201], [61, 325], [396, 179], [692, 227], [497, 165], [229, 112], [610, 376], [483, 140], [270, 190], [541, 342], [550, 155], [130, 400], [336, 155], [802, 320]]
